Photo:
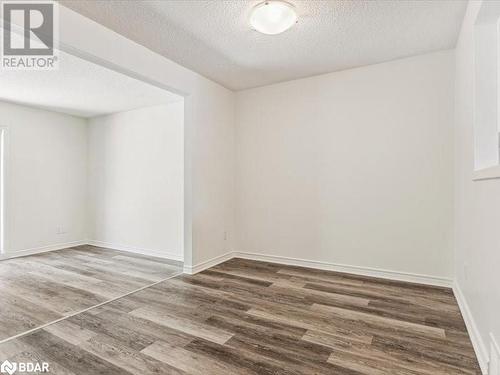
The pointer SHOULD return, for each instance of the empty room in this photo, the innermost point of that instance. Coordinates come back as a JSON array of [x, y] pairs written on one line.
[[250, 187]]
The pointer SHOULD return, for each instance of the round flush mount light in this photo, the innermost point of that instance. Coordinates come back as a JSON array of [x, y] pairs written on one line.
[[273, 17]]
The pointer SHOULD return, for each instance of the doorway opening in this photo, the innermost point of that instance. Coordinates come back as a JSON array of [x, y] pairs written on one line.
[[95, 205]]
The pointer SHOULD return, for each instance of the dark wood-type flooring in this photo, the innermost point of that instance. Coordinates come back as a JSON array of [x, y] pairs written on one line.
[[247, 317], [38, 289]]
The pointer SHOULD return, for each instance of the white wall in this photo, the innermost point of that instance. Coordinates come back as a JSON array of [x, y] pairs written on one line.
[[116, 180], [477, 208], [136, 180], [353, 167], [45, 178], [208, 132]]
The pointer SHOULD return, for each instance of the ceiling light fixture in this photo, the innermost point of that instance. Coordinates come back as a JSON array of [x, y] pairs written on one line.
[[273, 17]]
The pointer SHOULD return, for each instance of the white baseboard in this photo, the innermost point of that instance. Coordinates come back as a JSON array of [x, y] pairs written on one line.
[[356, 270], [131, 249], [494, 363], [191, 270], [42, 249], [477, 341], [60, 246]]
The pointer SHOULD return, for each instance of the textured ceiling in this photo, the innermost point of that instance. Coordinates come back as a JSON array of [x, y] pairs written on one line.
[[213, 38], [80, 88]]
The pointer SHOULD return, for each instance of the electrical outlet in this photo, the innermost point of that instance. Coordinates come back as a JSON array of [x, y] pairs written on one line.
[[494, 364], [225, 236]]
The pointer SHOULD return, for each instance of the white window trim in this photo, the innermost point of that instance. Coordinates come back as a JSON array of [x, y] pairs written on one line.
[[488, 16], [486, 173]]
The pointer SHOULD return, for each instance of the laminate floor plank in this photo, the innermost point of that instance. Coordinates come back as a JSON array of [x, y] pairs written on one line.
[[80, 361], [18, 315], [98, 325], [183, 324], [38, 289], [123, 356], [146, 328], [250, 318], [70, 332], [373, 318], [187, 361], [246, 362], [243, 324]]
